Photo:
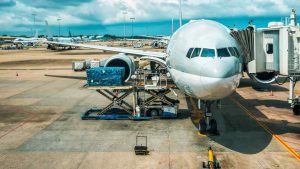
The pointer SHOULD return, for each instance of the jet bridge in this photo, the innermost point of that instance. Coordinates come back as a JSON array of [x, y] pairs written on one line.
[[272, 52]]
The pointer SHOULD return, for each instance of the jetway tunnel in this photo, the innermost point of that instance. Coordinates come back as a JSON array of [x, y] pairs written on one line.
[[268, 53], [261, 64]]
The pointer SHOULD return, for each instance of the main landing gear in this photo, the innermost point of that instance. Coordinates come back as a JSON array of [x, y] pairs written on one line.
[[207, 124]]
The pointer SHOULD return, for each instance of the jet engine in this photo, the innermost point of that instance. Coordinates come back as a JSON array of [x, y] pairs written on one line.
[[264, 77], [122, 60]]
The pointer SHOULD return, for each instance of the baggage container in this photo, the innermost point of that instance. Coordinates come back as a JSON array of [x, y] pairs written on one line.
[[78, 65], [88, 63], [94, 63], [106, 76]]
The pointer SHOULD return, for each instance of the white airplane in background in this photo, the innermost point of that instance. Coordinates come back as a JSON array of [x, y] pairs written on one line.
[[28, 41], [59, 39], [202, 58]]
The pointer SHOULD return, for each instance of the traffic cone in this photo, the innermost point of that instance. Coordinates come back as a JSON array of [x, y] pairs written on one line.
[[271, 94]]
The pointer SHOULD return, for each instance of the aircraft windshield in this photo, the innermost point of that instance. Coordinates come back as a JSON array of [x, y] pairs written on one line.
[[196, 52], [232, 51], [223, 52], [208, 52], [188, 55], [236, 51]]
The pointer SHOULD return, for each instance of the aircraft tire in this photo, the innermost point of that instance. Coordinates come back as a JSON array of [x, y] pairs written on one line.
[[153, 112], [213, 126], [202, 126], [296, 110]]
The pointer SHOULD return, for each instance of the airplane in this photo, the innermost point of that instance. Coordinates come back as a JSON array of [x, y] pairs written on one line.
[[28, 41], [203, 60], [60, 39]]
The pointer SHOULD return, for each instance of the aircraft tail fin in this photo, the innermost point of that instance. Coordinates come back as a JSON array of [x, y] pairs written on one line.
[[70, 35], [49, 33], [36, 33]]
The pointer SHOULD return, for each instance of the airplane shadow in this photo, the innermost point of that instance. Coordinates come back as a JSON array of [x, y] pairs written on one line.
[[67, 77], [247, 82], [240, 133]]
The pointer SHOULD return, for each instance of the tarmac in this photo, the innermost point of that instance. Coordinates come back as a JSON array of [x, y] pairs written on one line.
[[40, 124]]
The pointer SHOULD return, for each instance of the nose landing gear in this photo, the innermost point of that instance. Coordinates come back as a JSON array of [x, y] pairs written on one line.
[[207, 124]]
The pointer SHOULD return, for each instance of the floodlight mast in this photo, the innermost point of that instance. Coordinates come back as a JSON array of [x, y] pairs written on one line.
[[124, 26], [58, 20], [180, 13], [34, 27]]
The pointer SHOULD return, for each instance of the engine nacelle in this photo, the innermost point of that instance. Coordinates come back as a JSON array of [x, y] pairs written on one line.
[[264, 77], [122, 60]]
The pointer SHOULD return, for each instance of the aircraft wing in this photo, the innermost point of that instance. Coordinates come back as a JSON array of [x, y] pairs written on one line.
[[135, 52], [157, 37]]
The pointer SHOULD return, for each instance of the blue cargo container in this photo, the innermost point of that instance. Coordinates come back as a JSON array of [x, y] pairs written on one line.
[[106, 76]]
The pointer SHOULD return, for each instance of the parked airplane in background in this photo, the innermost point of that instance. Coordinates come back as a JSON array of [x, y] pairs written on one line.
[[60, 39], [28, 41], [95, 38], [202, 58]]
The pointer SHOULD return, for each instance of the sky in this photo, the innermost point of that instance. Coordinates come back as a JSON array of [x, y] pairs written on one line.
[[151, 17]]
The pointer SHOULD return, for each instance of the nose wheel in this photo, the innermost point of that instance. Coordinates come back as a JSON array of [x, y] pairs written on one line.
[[207, 124]]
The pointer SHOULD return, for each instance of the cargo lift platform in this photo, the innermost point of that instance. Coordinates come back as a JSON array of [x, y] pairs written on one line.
[[150, 100]]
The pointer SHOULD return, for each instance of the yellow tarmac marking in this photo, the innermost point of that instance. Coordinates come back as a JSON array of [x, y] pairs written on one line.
[[202, 135], [266, 128]]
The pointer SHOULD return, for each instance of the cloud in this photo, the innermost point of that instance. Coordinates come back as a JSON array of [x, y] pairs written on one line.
[[53, 4], [7, 3], [18, 13]]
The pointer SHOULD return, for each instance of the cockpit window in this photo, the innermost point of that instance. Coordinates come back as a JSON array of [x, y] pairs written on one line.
[[208, 52], [232, 51], [223, 52], [196, 52], [188, 55], [236, 51]]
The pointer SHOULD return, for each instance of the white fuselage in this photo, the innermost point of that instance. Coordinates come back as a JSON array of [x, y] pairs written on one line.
[[213, 71], [26, 41]]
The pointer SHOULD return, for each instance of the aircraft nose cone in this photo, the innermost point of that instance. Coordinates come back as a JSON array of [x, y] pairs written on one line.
[[224, 68]]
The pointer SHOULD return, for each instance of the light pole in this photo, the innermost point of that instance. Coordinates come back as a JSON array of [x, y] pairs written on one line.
[[34, 28], [180, 13], [172, 29], [124, 28], [132, 19], [58, 20]]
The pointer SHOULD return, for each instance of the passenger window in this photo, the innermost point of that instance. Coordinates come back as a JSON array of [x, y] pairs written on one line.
[[223, 52], [188, 55], [269, 48], [232, 52], [196, 52], [208, 52]]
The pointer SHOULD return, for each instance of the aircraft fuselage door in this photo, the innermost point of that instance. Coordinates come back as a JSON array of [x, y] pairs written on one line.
[[271, 49]]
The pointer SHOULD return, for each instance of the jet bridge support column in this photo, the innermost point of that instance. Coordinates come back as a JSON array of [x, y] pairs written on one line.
[[295, 102], [291, 95]]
